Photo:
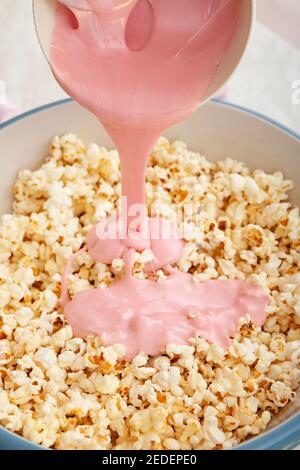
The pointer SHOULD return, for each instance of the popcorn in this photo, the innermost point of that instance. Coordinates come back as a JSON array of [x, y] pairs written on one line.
[[106, 384], [197, 382], [266, 359], [64, 392], [141, 393], [80, 404], [246, 351], [251, 187], [45, 357], [237, 182], [111, 354], [144, 373], [280, 393], [93, 155], [171, 444], [230, 423], [162, 363], [60, 338], [66, 359], [216, 354], [139, 361], [166, 379], [212, 432], [229, 382], [24, 315], [181, 350], [50, 300], [117, 266]]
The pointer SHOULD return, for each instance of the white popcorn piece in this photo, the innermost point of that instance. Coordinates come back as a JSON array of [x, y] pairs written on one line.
[[212, 432], [171, 444], [181, 350], [162, 363], [106, 384], [238, 182], [46, 357], [230, 382], [24, 315], [66, 359], [93, 155]]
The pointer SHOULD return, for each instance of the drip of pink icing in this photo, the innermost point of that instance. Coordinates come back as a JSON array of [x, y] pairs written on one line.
[[138, 93], [157, 234], [146, 316], [139, 81]]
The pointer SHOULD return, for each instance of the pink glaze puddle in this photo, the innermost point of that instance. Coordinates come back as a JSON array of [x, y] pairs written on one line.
[[145, 316], [141, 66]]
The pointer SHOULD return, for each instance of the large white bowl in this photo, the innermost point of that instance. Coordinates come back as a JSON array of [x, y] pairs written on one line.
[[217, 129]]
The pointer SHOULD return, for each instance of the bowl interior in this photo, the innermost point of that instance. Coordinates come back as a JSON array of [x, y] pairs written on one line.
[[217, 130]]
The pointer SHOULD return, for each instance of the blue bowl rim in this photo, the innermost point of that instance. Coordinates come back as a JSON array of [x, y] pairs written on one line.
[[283, 436], [218, 101]]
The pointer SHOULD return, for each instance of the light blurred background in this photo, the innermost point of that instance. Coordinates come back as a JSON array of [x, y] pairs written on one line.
[[264, 82]]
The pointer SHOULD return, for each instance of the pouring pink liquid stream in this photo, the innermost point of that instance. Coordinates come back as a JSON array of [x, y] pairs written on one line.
[[140, 67]]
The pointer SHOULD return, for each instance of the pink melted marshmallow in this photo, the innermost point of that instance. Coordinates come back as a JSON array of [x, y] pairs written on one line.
[[145, 316], [140, 66]]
